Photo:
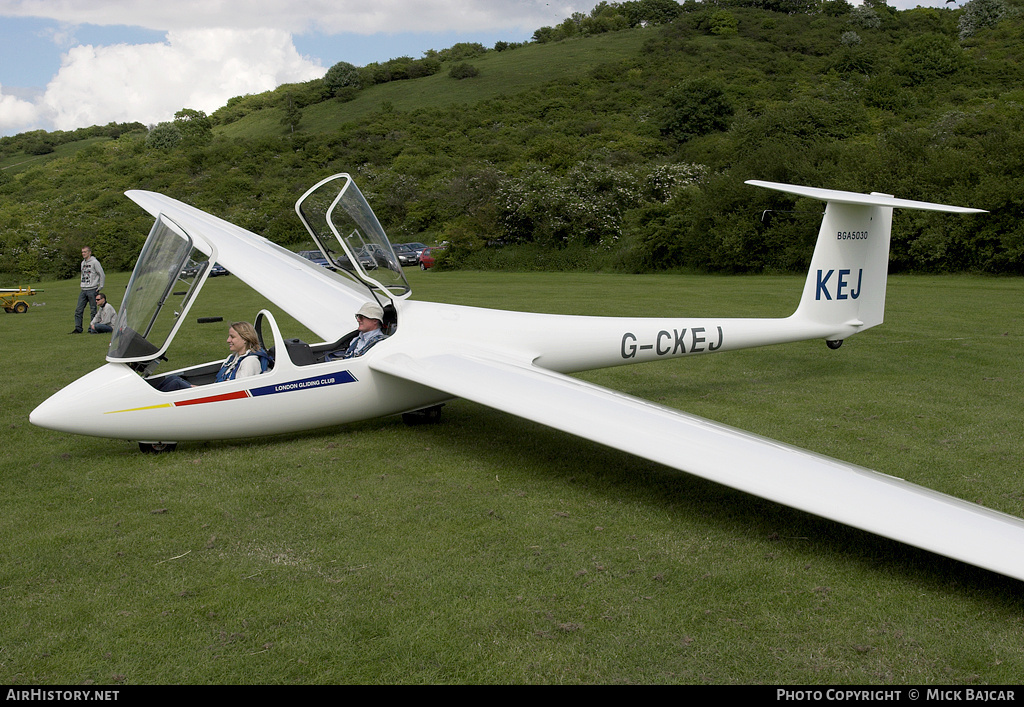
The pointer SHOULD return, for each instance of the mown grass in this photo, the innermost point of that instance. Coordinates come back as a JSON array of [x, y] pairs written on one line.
[[488, 549]]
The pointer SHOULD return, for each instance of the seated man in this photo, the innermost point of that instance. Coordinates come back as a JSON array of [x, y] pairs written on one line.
[[370, 318], [103, 322]]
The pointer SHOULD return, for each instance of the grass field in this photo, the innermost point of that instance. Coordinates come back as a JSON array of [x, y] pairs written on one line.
[[488, 549]]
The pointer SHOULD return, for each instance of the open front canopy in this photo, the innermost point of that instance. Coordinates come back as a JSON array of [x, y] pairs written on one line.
[[175, 263], [334, 211], [167, 276]]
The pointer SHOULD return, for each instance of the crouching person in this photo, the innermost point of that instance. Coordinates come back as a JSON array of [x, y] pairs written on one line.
[[103, 322]]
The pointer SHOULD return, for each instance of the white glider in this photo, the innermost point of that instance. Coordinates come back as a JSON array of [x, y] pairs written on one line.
[[512, 361]]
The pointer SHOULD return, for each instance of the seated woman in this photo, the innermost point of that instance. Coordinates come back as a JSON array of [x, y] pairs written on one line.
[[246, 359]]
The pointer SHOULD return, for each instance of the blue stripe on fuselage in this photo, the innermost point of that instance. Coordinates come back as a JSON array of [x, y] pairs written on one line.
[[305, 383]]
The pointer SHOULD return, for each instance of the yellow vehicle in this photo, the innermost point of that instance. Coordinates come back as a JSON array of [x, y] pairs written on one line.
[[13, 300]]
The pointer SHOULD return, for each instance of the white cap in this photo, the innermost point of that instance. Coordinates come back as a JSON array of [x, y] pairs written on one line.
[[371, 310]]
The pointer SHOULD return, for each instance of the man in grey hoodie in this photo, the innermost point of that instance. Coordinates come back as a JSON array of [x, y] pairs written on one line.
[[92, 282]]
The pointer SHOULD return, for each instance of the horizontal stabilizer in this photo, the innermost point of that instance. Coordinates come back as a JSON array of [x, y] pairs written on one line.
[[850, 197]]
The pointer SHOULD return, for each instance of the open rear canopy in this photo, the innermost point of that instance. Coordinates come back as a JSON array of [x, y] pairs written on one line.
[[335, 212]]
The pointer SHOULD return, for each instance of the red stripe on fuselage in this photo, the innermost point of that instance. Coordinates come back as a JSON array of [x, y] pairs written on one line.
[[215, 398]]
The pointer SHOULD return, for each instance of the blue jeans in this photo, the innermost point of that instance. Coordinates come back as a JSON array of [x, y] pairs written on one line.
[[85, 297], [101, 329], [172, 383]]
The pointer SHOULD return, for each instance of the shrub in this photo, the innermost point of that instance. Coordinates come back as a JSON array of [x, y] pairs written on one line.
[[980, 14], [929, 56], [461, 51], [694, 108], [39, 147], [463, 71], [164, 136]]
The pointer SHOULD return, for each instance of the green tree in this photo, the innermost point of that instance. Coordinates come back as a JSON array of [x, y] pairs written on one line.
[[929, 56], [292, 113], [694, 108], [835, 8], [195, 127], [164, 136], [543, 35], [650, 12], [342, 76], [724, 22]]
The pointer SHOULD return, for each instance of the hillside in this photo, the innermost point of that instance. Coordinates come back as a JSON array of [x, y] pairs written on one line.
[[622, 149], [501, 74]]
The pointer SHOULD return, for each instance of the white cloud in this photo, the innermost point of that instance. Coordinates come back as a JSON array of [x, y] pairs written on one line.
[[15, 112], [328, 16], [217, 49], [199, 69]]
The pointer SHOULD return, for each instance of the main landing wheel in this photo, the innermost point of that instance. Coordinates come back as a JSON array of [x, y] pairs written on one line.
[[834, 344], [157, 447], [425, 416]]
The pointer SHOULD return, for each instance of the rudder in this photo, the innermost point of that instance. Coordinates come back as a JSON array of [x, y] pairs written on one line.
[[846, 281]]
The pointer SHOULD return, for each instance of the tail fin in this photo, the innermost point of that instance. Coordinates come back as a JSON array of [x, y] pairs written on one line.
[[845, 285]]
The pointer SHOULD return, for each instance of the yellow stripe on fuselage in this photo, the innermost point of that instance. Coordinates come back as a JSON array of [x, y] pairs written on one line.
[[148, 407]]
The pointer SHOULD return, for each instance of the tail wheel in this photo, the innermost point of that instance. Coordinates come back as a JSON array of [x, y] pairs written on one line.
[[835, 344]]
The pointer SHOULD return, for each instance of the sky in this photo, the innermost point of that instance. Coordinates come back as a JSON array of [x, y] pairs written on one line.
[[67, 64]]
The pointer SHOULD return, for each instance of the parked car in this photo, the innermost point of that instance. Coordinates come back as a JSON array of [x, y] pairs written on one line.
[[418, 247], [315, 256], [370, 256], [407, 255], [428, 255], [195, 268]]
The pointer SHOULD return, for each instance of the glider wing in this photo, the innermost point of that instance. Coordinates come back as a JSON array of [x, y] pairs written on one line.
[[853, 495]]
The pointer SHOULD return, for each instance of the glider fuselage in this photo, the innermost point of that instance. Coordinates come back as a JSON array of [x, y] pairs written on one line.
[[314, 391]]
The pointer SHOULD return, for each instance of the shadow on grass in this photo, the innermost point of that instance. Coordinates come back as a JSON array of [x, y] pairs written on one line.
[[492, 437]]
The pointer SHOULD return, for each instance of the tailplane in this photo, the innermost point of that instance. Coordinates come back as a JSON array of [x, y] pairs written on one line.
[[845, 284]]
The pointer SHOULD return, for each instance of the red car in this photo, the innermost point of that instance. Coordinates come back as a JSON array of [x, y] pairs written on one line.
[[427, 257]]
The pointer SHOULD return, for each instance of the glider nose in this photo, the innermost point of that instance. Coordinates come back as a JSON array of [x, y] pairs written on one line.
[[48, 414], [79, 407]]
